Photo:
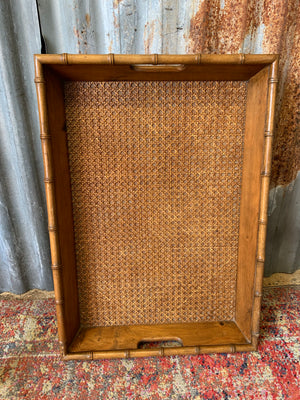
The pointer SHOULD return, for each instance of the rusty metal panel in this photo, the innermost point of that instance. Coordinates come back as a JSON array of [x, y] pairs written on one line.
[[190, 26], [135, 26]]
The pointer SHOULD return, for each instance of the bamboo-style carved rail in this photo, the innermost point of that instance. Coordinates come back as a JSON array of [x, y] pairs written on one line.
[[53, 67]]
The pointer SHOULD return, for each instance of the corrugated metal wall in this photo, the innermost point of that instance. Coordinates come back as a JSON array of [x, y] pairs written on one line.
[[134, 26], [24, 249]]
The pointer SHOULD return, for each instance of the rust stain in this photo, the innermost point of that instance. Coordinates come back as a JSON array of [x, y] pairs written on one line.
[[82, 37], [77, 34], [231, 26], [116, 3], [110, 46], [216, 29], [88, 19], [198, 27], [149, 32], [253, 20], [222, 27], [282, 35], [274, 17], [116, 21]]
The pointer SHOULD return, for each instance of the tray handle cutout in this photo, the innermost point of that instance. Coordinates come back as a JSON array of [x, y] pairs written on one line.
[[158, 68], [160, 342]]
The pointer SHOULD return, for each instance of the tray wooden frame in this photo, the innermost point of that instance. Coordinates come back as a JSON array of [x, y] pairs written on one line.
[[241, 334]]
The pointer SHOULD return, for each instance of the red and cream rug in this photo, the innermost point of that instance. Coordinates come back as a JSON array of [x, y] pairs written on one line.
[[30, 367]]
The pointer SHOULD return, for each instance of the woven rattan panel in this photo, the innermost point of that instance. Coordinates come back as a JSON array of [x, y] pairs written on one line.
[[156, 173]]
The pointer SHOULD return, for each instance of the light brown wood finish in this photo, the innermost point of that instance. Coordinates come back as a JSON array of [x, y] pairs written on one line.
[[121, 67], [51, 203], [250, 197], [265, 181], [257, 170], [129, 72], [63, 209], [240, 335], [51, 111], [248, 59], [129, 337], [158, 352]]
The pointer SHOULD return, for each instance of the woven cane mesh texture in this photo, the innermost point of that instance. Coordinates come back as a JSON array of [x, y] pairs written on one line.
[[156, 173]]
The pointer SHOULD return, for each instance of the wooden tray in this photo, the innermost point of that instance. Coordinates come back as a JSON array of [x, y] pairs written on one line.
[[157, 172]]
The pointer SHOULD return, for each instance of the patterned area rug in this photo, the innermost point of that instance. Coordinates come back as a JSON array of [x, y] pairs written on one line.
[[30, 367]]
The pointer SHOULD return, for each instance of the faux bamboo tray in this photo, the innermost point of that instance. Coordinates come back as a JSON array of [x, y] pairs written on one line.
[[157, 172]]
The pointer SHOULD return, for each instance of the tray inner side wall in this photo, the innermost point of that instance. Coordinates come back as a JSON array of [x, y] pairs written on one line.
[[156, 169]]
